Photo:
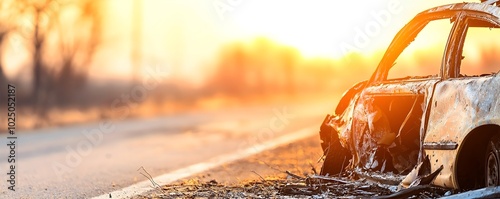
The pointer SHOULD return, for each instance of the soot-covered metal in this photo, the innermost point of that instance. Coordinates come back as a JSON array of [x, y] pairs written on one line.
[[441, 129]]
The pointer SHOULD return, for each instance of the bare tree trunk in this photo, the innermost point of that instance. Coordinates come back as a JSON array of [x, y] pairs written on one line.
[[37, 59], [3, 78]]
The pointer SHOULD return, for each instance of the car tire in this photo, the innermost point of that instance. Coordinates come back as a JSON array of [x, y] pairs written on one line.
[[336, 156], [492, 162]]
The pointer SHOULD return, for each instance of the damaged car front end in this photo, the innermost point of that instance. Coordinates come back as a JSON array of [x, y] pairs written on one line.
[[441, 129]]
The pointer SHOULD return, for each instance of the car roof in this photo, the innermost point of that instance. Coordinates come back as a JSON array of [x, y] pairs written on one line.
[[476, 7], [492, 10]]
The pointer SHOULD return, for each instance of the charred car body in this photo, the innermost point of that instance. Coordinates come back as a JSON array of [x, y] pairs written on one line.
[[449, 121]]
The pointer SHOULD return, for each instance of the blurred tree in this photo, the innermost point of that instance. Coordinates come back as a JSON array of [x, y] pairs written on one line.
[[265, 68], [3, 78], [77, 50], [262, 48], [229, 77], [290, 59], [8, 9], [259, 68], [74, 26], [42, 13]]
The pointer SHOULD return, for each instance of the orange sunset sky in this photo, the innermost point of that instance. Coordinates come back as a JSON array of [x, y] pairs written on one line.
[[186, 35]]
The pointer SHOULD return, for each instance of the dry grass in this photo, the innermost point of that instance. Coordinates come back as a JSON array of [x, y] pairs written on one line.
[[285, 172]]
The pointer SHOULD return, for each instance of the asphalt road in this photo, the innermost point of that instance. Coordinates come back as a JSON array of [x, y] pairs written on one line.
[[89, 160]]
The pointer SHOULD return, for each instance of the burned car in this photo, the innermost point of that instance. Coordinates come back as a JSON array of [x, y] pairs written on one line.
[[448, 120]]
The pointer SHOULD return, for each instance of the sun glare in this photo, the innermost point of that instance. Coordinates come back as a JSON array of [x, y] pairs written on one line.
[[318, 28], [187, 35]]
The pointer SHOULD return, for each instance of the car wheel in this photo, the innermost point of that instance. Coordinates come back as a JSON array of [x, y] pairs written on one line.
[[492, 164], [336, 156]]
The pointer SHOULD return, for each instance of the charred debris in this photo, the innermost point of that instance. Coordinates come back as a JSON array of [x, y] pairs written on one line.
[[439, 132]]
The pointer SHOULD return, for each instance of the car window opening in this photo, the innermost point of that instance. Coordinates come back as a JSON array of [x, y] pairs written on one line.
[[480, 51], [414, 61]]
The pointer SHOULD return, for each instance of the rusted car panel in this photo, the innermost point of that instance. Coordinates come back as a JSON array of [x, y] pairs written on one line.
[[446, 121], [463, 105]]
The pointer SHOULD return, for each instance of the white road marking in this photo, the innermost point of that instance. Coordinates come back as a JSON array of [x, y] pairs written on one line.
[[145, 186]]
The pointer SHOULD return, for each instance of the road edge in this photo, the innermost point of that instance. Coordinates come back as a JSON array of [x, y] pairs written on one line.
[[167, 178]]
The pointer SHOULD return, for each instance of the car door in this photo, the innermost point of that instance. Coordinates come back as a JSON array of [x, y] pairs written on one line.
[[386, 131], [465, 109]]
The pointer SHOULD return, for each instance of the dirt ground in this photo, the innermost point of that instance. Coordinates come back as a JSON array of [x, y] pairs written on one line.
[[250, 177], [285, 172]]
